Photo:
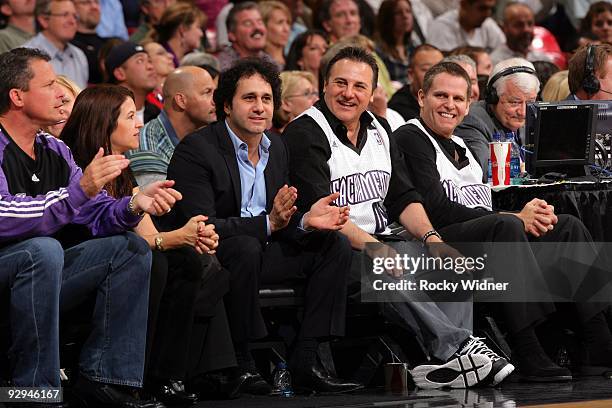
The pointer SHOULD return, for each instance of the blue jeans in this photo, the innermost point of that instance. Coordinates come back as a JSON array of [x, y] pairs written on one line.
[[45, 281]]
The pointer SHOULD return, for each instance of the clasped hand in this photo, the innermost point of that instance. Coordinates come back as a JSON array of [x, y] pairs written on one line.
[[538, 217], [201, 236]]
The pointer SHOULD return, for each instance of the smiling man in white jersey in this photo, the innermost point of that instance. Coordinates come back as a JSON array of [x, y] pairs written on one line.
[[338, 144], [448, 177]]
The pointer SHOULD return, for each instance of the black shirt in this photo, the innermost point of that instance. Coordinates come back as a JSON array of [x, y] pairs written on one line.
[[404, 102], [420, 158], [48, 172], [309, 152]]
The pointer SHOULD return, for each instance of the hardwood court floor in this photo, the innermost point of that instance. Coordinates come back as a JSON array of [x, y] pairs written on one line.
[[580, 393]]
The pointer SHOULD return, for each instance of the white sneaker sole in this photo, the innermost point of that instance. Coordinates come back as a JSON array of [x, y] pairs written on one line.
[[461, 372], [502, 374]]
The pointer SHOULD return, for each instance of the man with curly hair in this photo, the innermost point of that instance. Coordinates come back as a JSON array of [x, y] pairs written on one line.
[[237, 174]]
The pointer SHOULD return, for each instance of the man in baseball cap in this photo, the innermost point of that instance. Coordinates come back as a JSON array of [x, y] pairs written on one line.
[[128, 65]]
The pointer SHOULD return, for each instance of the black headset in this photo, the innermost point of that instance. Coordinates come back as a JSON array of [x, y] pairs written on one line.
[[491, 96], [590, 83]]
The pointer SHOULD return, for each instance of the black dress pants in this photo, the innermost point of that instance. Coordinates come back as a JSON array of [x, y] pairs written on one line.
[[175, 282], [509, 228], [318, 260]]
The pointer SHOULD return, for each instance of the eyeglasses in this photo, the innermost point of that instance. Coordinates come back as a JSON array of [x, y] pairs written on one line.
[[65, 15], [307, 94]]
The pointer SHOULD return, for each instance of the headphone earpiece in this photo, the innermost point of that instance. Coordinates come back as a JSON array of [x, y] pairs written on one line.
[[491, 97], [590, 83]]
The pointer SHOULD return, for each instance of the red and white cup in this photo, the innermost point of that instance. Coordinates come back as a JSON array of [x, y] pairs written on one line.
[[500, 162]]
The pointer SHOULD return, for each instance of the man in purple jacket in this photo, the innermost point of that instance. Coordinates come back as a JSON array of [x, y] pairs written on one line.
[[41, 191]]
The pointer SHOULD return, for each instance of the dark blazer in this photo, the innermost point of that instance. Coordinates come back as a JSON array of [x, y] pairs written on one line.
[[206, 172]]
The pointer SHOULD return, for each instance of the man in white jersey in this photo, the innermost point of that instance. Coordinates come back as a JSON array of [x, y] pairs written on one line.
[[339, 146], [449, 179]]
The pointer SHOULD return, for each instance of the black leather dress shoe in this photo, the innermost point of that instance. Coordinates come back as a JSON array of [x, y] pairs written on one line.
[[92, 394], [219, 385], [254, 383], [172, 392], [316, 378]]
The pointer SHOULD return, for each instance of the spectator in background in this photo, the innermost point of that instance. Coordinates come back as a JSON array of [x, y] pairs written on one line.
[[179, 30], [203, 60], [299, 91], [394, 30], [20, 25], [152, 11], [557, 87], [513, 84], [128, 65], [518, 24], [306, 52], [590, 73], [340, 18], [247, 33], [471, 24], [544, 70], [58, 20], [277, 18], [112, 23], [188, 106], [103, 53], [71, 91], [404, 101], [301, 16], [86, 37], [163, 64], [469, 65], [484, 65], [598, 21]]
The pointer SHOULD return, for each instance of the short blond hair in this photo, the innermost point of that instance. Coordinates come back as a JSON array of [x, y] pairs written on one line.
[[69, 84], [557, 87], [267, 7], [289, 80]]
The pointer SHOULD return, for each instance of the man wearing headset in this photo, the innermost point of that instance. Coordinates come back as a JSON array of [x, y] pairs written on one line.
[[513, 83], [590, 73]]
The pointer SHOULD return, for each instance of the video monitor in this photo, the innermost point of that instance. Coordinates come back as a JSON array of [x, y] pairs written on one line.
[[560, 137]]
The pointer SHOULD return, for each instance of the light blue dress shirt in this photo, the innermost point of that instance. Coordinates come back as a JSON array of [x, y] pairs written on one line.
[[112, 21], [71, 62], [252, 180]]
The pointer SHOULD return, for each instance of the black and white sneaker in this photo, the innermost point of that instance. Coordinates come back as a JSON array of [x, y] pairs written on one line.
[[459, 372], [500, 369]]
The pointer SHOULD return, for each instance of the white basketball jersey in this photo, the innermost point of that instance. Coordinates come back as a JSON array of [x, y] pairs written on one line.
[[463, 186], [361, 179]]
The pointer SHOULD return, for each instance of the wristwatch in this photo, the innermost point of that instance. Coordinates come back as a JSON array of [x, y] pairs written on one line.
[[159, 243], [131, 208]]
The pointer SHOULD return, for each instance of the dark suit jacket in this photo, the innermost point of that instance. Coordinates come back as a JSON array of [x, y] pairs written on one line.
[[206, 172]]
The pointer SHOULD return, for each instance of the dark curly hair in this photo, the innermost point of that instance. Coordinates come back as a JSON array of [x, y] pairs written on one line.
[[245, 68]]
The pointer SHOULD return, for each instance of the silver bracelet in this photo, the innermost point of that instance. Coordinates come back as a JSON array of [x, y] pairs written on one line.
[[131, 207]]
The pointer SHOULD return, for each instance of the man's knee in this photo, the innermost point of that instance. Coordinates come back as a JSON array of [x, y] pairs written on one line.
[[44, 255], [574, 228], [242, 246]]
